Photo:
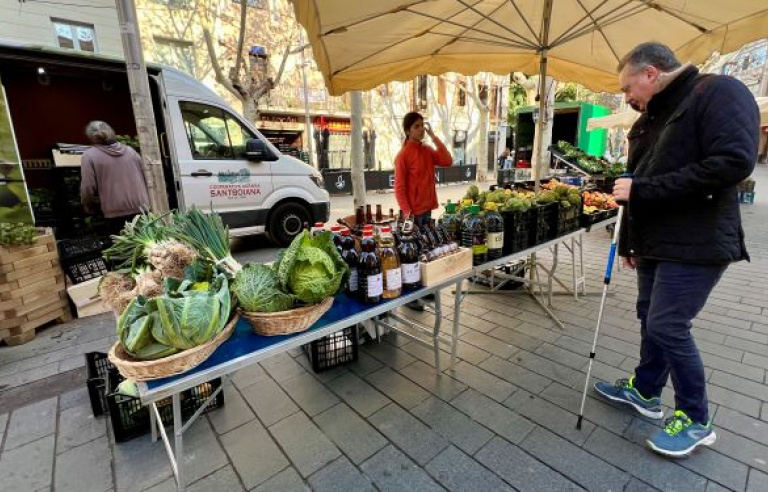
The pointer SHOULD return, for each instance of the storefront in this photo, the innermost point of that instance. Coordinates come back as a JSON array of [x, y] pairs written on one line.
[[286, 132]]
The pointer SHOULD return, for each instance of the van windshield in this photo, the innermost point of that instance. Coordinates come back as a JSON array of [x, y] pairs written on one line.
[[213, 133]]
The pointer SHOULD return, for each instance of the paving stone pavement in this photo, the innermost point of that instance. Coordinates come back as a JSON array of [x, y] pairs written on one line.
[[504, 420]]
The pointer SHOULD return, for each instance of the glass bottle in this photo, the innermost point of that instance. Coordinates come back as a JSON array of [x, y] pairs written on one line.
[[473, 235], [379, 215], [368, 214], [494, 231], [359, 219], [390, 264], [409, 258], [352, 259], [336, 236], [370, 280], [450, 222]]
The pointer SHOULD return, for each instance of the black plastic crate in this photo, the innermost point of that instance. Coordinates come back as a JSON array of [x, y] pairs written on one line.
[[130, 419], [97, 368], [90, 247], [334, 350], [80, 270], [542, 219], [515, 231], [567, 220], [588, 220]]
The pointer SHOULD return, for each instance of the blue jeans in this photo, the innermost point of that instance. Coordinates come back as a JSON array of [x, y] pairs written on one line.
[[670, 295], [423, 219]]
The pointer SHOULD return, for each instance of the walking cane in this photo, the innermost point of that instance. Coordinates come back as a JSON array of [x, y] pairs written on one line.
[[606, 284]]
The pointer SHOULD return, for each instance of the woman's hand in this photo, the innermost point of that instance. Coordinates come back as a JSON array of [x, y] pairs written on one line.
[[428, 128]]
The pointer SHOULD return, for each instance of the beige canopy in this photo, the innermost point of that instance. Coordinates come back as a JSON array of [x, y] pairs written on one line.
[[359, 45], [617, 120], [762, 103]]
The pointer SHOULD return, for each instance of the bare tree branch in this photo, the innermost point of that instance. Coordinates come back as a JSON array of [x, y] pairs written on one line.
[[220, 78], [299, 49], [240, 40], [270, 83], [462, 85]]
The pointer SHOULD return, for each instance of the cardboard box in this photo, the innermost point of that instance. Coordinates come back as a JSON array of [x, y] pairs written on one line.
[[436, 271], [66, 159], [85, 297]]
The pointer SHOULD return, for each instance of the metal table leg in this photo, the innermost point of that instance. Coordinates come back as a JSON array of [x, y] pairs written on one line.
[[456, 314], [153, 424], [436, 331], [178, 432], [551, 275], [573, 270]]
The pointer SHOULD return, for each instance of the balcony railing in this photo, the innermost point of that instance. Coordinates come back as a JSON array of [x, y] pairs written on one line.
[[287, 97]]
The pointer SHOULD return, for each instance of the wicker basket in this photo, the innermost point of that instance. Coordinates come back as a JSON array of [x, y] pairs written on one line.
[[285, 322], [145, 370]]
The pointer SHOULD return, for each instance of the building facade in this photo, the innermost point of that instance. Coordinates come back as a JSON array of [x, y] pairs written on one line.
[[86, 26]]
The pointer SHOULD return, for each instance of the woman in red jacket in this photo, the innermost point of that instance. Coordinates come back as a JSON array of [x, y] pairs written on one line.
[[415, 169]]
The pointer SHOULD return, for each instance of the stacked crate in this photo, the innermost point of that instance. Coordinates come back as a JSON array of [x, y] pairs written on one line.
[[32, 290]]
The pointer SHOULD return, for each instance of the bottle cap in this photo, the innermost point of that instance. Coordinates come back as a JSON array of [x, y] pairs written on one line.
[[345, 232], [335, 228], [319, 224], [474, 209], [367, 233], [368, 227], [491, 206], [386, 229]]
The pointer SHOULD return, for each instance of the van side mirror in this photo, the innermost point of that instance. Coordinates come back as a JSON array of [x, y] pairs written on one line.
[[256, 150]]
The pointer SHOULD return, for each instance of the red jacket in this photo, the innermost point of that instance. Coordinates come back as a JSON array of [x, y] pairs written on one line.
[[415, 176]]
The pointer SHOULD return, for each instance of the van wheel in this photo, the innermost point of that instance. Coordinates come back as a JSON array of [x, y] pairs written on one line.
[[286, 223]]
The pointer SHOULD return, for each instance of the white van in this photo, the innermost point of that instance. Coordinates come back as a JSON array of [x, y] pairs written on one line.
[[212, 157]]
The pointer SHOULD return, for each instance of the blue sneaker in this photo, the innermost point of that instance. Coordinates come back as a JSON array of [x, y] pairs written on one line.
[[681, 435], [623, 391]]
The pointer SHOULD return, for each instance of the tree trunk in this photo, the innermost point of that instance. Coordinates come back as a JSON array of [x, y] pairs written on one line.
[[545, 139], [358, 166], [251, 111], [481, 144]]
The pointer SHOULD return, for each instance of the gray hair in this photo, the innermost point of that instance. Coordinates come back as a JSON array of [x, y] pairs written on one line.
[[100, 133], [656, 55]]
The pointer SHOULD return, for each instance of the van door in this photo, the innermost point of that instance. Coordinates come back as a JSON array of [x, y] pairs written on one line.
[[214, 172]]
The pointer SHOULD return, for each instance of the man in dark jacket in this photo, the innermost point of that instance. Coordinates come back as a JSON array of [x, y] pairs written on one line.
[[112, 171], [696, 139]]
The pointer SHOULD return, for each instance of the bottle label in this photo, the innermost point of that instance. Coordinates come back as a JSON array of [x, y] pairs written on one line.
[[375, 285], [411, 273], [495, 240], [479, 247], [394, 279], [353, 280]]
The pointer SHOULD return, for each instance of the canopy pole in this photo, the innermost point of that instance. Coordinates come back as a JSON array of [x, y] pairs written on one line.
[[538, 164]]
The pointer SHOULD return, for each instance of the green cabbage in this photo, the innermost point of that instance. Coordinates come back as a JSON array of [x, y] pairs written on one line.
[[180, 319], [311, 269], [257, 289]]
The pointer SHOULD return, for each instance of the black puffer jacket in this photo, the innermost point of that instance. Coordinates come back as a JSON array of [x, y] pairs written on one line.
[[696, 142]]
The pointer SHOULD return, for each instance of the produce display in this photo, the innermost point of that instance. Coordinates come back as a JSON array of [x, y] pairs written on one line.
[[595, 201], [506, 200], [17, 234], [171, 287], [589, 163], [556, 192], [306, 273]]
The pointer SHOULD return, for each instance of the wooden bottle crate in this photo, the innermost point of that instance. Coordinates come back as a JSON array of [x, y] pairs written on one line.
[[32, 289]]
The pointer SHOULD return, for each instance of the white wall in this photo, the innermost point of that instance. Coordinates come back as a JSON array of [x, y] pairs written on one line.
[[30, 22]]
